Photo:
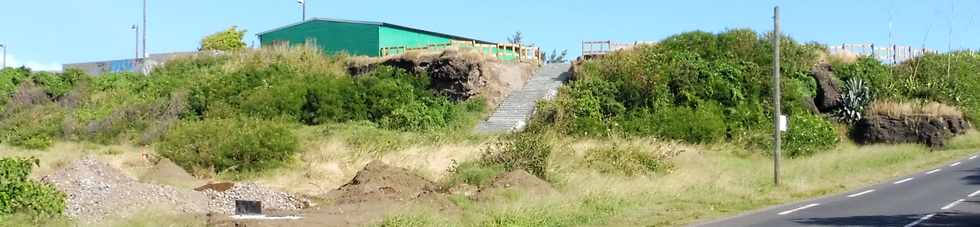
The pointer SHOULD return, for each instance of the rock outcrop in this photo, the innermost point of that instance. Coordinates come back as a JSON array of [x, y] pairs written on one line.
[[828, 91], [931, 131], [457, 74]]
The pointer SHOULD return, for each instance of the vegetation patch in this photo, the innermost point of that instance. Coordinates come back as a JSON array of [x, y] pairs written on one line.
[[524, 151], [695, 87], [19, 194], [238, 145], [627, 160]]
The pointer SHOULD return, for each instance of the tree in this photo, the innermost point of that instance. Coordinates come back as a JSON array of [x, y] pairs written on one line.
[[517, 38], [227, 40], [555, 57]]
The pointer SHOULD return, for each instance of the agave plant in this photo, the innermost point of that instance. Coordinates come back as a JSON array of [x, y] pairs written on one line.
[[854, 99]]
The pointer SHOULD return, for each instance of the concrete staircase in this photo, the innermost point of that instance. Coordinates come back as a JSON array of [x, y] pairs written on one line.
[[513, 113]]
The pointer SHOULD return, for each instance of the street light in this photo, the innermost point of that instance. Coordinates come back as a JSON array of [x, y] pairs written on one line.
[[144, 29], [136, 60], [4, 56], [302, 3]]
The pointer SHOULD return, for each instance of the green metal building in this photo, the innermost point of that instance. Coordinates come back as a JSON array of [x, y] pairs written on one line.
[[365, 38]]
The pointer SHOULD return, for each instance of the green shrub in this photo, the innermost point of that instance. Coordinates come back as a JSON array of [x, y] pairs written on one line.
[[21, 195], [523, 151], [809, 134], [408, 221], [696, 87], [628, 161], [875, 74], [474, 173], [33, 128], [238, 145], [945, 78], [702, 125]]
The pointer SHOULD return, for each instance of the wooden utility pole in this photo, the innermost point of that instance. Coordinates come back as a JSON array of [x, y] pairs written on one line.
[[777, 113]]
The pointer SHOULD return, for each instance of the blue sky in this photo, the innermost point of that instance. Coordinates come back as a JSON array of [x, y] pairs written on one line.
[[45, 34]]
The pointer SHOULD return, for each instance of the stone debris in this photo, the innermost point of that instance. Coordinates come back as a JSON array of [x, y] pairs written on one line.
[[94, 190], [224, 202]]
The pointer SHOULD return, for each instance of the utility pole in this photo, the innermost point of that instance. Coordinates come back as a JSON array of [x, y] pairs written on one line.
[[777, 112]]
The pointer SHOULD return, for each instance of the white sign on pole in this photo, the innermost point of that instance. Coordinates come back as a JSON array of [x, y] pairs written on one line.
[[783, 123]]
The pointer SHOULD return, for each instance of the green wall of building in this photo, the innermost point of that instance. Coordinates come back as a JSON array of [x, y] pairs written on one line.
[[396, 37], [331, 37], [366, 38]]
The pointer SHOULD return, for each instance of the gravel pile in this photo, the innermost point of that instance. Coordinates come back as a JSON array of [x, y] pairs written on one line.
[[95, 190], [224, 202]]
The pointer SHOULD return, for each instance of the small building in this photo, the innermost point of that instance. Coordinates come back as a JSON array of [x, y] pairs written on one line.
[[143, 65], [377, 39]]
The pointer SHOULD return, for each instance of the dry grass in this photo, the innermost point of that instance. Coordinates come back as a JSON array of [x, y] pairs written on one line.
[[708, 182], [909, 109], [467, 54], [300, 58]]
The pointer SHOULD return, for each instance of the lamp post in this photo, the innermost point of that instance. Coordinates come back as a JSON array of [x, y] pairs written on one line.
[[136, 60], [144, 29], [4, 56], [302, 3]]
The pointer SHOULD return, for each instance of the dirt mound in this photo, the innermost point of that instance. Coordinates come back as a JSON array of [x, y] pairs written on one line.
[[931, 131], [519, 180], [223, 202], [458, 74], [167, 172], [95, 190], [218, 187], [828, 91], [381, 182]]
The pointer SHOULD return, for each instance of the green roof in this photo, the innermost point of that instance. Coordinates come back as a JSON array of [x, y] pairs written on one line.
[[378, 24]]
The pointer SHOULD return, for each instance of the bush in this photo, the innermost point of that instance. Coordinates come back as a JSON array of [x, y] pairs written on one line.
[[945, 78], [809, 134], [21, 195], [697, 87], [876, 75], [629, 161], [524, 151], [703, 125], [238, 145], [474, 173], [227, 40], [33, 128]]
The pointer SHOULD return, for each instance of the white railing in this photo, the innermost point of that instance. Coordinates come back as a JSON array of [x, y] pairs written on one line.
[[890, 54]]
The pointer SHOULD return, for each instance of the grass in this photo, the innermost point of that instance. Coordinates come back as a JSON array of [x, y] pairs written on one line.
[[143, 218], [907, 109], [705, 183]]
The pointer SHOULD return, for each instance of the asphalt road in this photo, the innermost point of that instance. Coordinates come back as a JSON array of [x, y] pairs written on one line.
[[947, 195]]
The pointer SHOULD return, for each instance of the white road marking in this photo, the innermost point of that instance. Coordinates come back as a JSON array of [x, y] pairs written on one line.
[[798, 209], [933, 171], [904, 180], [924, 218], [973, 157], [955, 164], [861, 193], [953, 204], [974, 193]]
